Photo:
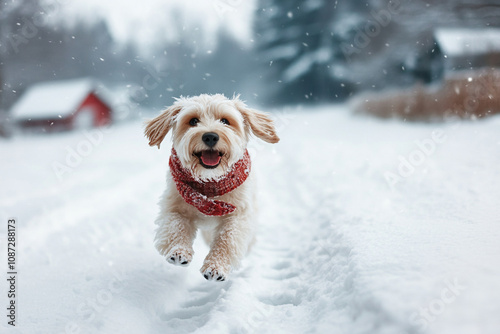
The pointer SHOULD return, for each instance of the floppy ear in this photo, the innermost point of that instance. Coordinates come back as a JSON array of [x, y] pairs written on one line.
[[157, 128], [261, 124]]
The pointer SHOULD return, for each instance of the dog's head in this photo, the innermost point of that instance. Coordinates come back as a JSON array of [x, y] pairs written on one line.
[[210, 132]]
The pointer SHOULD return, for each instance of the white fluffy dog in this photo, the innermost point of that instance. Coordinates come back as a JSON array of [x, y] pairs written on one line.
[[209, 186]]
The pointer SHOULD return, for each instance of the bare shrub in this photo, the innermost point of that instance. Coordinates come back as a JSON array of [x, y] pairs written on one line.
[[466, 94]]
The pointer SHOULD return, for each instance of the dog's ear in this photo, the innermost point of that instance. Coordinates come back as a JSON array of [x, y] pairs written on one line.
[[261, 124], [157, 128]]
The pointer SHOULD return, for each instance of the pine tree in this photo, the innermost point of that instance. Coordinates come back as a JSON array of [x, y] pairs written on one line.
[[296, 41]]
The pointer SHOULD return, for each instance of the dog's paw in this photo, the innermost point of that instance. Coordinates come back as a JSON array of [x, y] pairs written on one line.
[[213, 272], [180, 256]]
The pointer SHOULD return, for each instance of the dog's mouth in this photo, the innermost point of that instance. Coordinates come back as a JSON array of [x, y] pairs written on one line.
[[209, 158]]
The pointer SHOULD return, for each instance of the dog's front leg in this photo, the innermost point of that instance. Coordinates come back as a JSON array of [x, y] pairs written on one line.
[[231, 242], [174, 238]]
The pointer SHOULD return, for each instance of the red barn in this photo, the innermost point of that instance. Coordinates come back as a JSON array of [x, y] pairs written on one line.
[[62, 105]]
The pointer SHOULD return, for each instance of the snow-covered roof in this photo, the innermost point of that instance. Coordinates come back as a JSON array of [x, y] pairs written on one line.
[[461, 41], [52, 99]]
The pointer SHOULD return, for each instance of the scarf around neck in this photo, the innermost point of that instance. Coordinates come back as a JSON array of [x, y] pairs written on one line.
[[199, 193]]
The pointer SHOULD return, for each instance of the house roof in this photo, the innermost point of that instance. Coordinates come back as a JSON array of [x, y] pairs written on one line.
[[462, 41], [57, 99]]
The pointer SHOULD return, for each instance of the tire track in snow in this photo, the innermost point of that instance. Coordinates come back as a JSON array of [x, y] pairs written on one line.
[[311, 273], [306, 212]]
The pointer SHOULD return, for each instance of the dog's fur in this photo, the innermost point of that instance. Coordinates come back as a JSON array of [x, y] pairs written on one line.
[[230, 236]]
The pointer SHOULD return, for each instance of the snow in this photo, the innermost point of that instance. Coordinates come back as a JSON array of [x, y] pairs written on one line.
[[52, 99], [461, 41], [305, 62], [283, 51], [339, 249]]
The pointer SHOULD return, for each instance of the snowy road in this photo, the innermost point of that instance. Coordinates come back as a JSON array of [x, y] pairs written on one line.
[[367, 226]]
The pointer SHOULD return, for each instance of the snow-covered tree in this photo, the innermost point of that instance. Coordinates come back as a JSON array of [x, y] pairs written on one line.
[[297, 41]]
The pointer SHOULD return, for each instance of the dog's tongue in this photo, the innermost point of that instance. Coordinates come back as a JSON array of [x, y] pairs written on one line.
[[210, 158]]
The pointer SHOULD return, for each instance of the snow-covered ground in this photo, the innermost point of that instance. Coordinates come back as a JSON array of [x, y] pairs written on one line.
[[367, 226]]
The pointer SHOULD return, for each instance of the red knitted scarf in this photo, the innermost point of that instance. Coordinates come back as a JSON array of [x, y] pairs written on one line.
[[199, 193]]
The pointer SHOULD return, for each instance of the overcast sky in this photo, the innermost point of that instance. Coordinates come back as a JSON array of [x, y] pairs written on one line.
[[152, 21]]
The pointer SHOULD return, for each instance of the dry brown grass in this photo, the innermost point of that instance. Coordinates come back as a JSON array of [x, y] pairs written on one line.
[[467, 94]]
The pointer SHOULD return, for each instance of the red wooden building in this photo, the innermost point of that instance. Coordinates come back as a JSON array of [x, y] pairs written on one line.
[[62, 105]]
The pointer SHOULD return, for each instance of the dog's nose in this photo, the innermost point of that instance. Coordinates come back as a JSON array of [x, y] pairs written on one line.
[[210, 138]]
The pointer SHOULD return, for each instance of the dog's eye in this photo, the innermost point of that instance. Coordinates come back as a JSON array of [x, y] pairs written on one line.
[[224, 121], [193, 121]]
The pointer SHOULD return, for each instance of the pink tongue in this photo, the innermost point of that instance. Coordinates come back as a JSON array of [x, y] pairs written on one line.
[[210, 158]]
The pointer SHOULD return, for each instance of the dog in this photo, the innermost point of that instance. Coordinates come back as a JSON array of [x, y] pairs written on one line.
[[210, 186]]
